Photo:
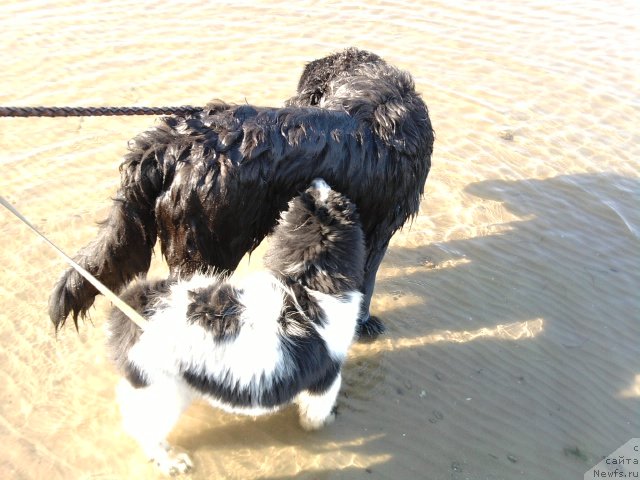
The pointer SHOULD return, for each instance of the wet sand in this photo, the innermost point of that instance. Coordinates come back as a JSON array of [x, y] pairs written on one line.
[[511, 301]]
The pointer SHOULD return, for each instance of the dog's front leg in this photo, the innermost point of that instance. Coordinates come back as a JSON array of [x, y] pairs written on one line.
[[150, 413]]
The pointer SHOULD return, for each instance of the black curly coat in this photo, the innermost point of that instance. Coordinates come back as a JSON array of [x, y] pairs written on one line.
[[210, 185]]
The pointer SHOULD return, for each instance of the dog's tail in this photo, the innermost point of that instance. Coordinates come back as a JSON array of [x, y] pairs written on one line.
[[124, 245]]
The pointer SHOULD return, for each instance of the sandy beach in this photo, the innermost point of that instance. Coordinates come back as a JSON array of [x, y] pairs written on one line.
[[511, 302]]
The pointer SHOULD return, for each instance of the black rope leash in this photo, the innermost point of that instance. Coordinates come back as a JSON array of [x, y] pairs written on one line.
[[95, 111]]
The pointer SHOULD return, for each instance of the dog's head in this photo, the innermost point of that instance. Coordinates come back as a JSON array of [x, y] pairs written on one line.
[[318, 74], [373, 92], [319, 241]]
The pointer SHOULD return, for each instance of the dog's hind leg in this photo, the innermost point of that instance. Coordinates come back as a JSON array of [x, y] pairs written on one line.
[[150, 413], [316, 408]]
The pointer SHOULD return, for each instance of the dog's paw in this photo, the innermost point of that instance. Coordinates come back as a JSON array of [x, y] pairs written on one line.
[[171, 463], [370, 329], [316, 411], [310, 423]]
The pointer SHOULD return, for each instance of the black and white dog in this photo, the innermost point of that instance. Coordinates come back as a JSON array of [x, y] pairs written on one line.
[[247, 346], [210, 185]]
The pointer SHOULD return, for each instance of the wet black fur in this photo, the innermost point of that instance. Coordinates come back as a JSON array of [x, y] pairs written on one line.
[[334, 268], [210, 185]]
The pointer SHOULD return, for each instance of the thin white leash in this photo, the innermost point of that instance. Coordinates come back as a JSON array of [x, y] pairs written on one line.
[[134, 316]]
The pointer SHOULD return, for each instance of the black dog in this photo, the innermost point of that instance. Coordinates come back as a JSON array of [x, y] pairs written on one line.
[[210, 185]]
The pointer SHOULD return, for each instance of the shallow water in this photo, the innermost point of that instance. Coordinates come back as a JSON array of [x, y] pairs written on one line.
[[511, 301]]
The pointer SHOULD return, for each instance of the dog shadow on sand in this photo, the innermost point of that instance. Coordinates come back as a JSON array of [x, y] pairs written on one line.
[[473, 325]]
